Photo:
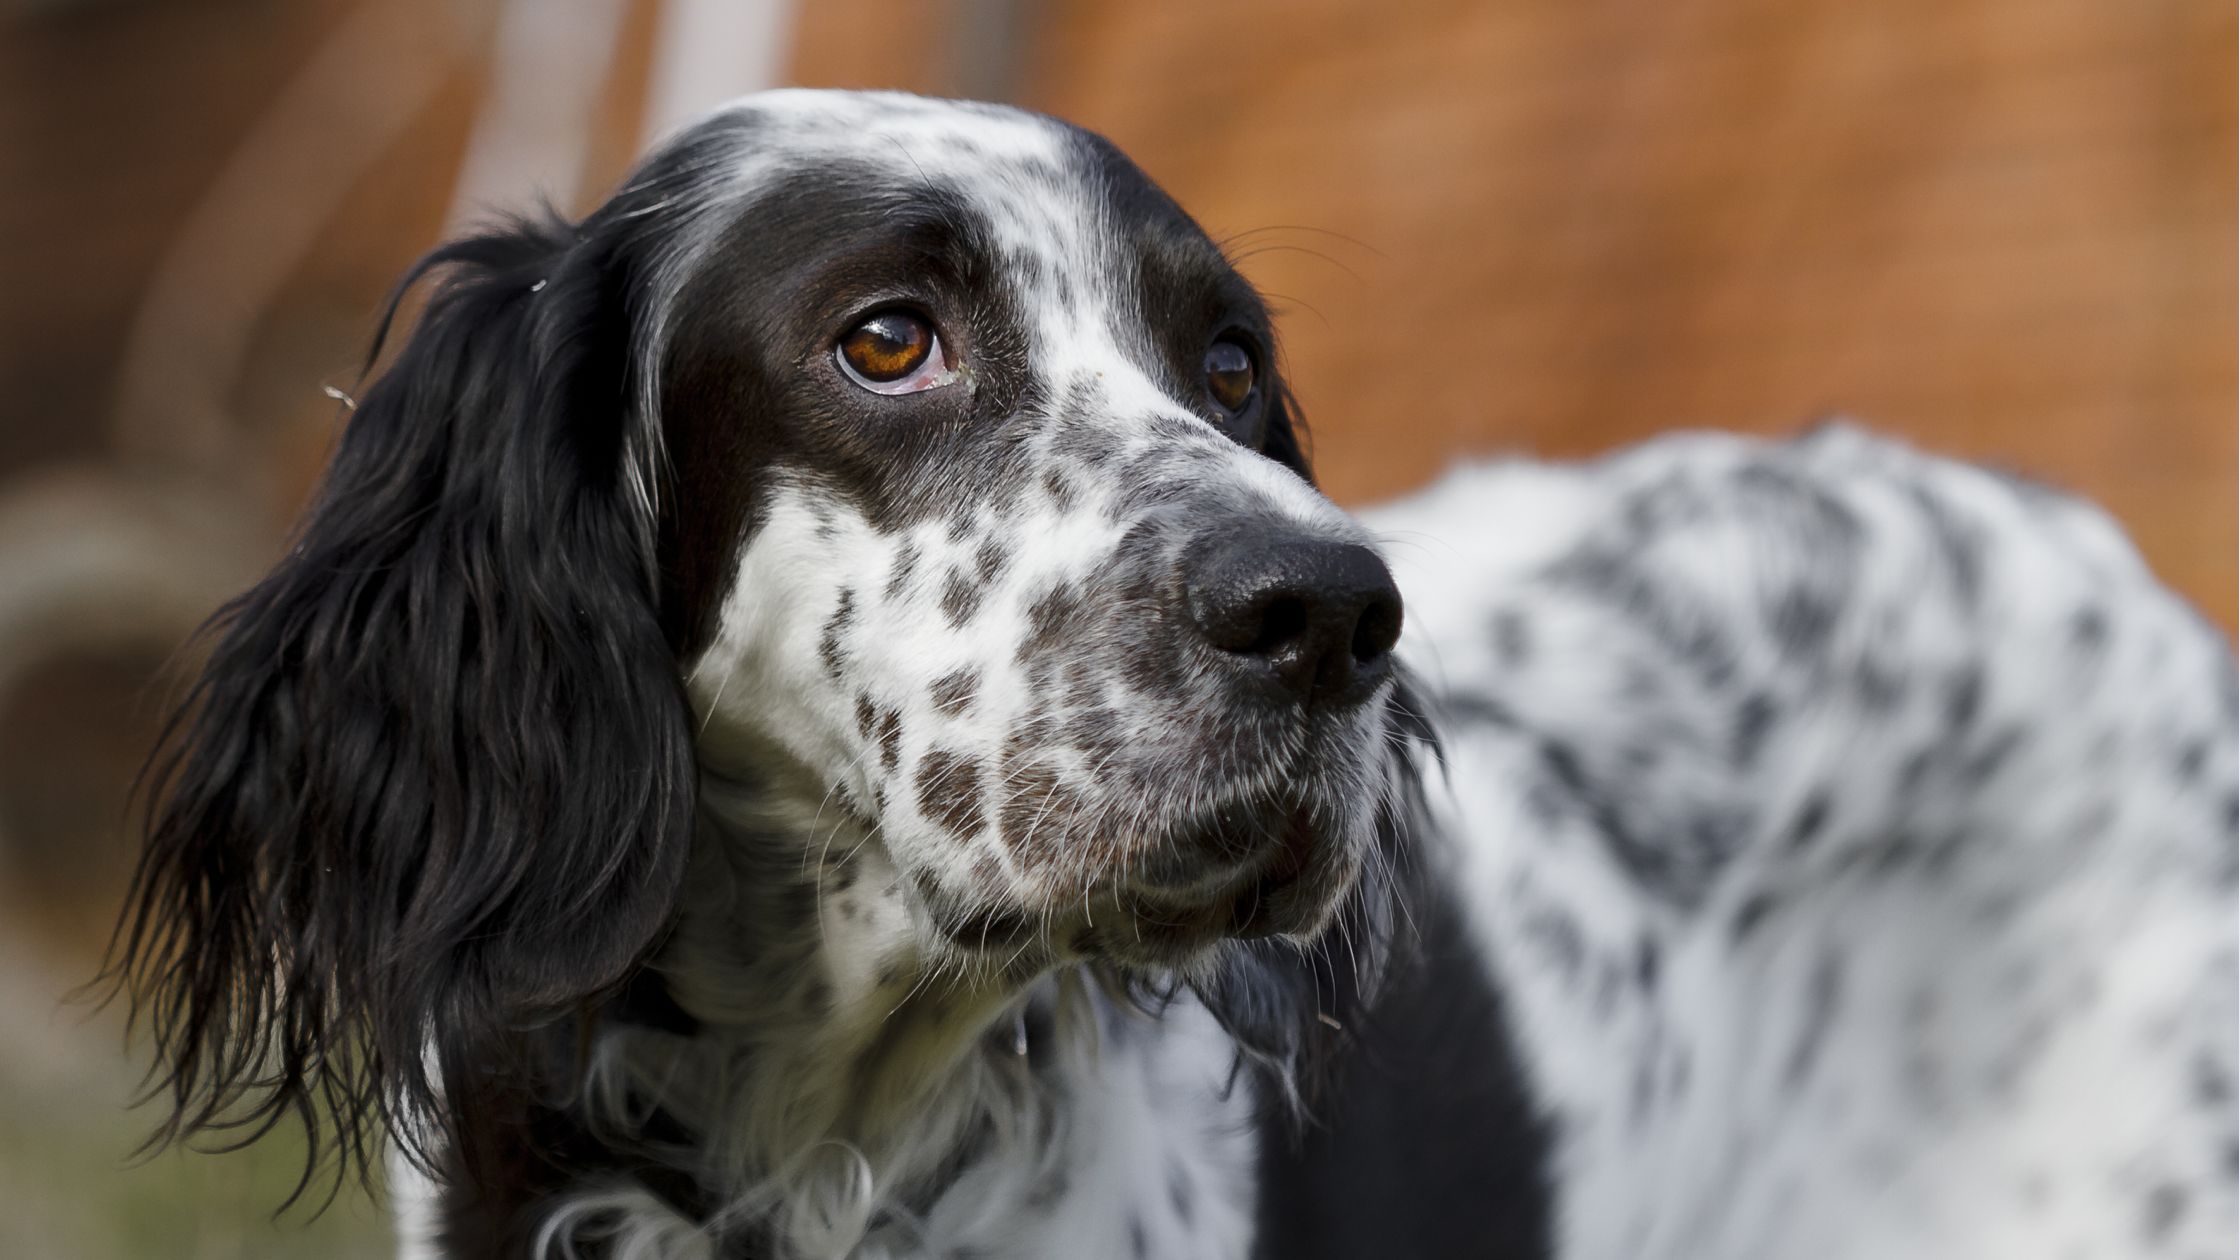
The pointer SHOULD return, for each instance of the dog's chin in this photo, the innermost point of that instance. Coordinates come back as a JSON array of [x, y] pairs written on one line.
[[1290, 893]]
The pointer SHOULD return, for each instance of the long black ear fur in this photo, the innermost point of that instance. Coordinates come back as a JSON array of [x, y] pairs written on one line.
[[434, 787]]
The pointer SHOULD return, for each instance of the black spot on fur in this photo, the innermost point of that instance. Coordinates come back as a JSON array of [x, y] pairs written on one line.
[[1978, 767], [2165, 1207], [2191, 758], [1752, 720], [1802, 619], [905, 564], [949, 791], [828, 644], [1751, 914], [2088, 628], [1812, 816], [953, 693], [890, 739], [1512, 638], [960, 598], [989, 561], [1059, 489], [1823, 996], [1051, 620], [1964, 699]]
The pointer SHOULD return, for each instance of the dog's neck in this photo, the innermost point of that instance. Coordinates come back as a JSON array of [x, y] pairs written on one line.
[[837, 1089]]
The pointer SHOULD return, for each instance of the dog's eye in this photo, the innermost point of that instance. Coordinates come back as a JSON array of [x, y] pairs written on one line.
[[1229, 375], [894, 352]]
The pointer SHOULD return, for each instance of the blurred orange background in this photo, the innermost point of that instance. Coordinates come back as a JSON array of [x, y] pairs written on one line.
[[2002, 228]]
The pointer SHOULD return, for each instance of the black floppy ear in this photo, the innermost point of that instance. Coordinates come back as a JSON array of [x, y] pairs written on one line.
[[434, 786]]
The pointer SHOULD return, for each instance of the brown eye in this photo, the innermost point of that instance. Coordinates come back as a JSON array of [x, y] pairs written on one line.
[[891, 352], [1229, 375]]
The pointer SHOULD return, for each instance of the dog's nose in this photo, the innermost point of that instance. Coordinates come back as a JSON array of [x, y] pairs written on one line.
[[1319, 617]]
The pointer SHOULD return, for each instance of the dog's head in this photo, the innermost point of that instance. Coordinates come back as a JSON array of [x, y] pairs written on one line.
[[906, 465]]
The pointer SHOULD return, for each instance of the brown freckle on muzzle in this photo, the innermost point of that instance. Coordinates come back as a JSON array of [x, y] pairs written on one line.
[[1037, 814], [953, 693], [949, 791], [1051, 620]]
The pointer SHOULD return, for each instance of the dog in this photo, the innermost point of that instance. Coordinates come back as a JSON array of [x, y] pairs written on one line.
[[819, 712]]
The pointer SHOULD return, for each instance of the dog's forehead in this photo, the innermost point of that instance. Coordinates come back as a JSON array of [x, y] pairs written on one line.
[[819, 121], [1025, 175]]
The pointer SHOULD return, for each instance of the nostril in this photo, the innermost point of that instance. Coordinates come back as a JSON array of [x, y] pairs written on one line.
[[1282, 620], [1378, 629]]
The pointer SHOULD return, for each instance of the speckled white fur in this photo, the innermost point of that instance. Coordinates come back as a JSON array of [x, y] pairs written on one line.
[[2014, 1040]]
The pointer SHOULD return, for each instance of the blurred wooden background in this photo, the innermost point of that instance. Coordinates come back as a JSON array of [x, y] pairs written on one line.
[[2003, 228]]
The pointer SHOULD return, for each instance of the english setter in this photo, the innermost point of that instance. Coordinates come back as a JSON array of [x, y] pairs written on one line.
[[819, 713]]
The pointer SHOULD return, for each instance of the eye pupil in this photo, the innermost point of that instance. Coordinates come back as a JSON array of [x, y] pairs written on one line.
[[888, 346], [1229, 375]]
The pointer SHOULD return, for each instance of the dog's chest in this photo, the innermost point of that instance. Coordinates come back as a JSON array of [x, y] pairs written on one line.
[[1152, 1153]]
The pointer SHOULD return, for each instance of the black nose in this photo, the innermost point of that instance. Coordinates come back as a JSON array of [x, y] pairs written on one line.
[[1319, 616]]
